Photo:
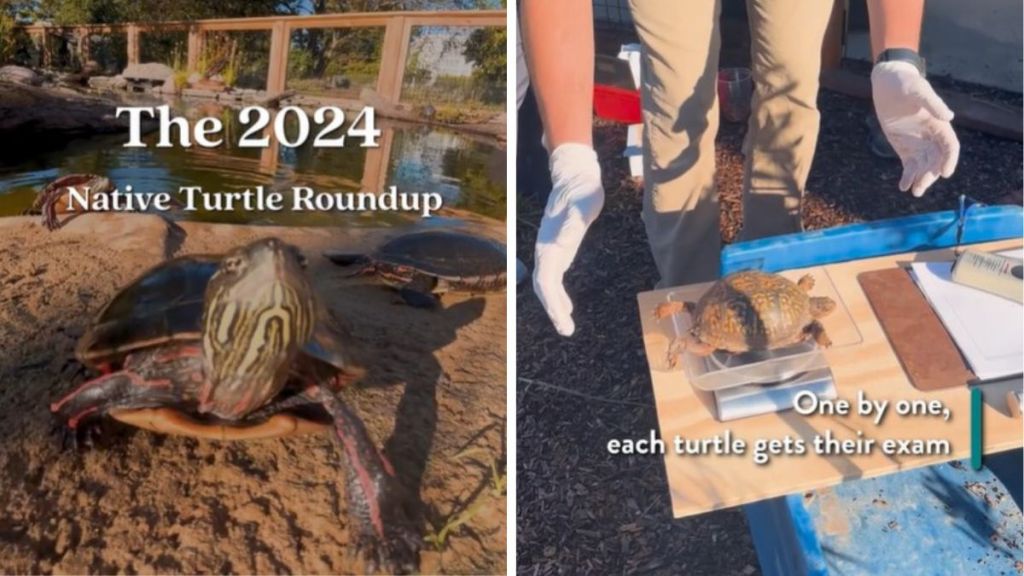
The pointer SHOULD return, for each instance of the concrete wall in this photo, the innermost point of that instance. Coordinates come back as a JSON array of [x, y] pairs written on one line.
[[976, 41]]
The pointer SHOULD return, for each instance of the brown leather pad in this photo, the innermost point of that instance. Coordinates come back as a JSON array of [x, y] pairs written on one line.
[[921, 342]]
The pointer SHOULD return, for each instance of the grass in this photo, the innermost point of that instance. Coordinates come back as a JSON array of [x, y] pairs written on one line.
[[497, 483]]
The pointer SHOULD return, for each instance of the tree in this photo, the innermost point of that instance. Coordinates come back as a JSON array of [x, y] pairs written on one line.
[[485, 48]]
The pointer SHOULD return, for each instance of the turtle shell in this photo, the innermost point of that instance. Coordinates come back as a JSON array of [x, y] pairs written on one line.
[[165, 305], [751, 310], [445, 254]]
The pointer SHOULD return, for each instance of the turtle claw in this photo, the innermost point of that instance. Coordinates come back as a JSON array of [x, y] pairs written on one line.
[[398, 555], [79, 439]]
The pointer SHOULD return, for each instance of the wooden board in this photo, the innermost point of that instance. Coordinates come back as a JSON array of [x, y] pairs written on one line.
[[702, 483]]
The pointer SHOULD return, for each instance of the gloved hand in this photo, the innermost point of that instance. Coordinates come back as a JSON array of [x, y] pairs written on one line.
[[576, 199], [917, 124]]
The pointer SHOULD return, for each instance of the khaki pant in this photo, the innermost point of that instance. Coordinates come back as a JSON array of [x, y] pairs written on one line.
[[679, 95]]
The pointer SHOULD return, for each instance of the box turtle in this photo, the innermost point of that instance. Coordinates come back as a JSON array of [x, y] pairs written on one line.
[[423, 265], [750, 311], [238, 347]]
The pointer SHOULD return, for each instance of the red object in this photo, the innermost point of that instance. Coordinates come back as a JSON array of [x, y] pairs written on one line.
[[617, 104]]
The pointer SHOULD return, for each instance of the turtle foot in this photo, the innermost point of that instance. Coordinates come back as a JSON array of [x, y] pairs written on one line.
[[666, 309], [85, 436], [50, 219], [398, 553], [384, 532]]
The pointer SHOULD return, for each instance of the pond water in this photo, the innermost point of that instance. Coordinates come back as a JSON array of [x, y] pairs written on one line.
[[467, 170]]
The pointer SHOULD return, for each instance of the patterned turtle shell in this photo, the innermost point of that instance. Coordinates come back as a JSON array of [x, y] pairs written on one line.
[[753, 310]]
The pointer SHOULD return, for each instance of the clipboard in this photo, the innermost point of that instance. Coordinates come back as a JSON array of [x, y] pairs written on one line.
[[924, 348]]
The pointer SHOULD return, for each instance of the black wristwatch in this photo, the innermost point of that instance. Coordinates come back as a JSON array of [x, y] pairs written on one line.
[[903, 55]]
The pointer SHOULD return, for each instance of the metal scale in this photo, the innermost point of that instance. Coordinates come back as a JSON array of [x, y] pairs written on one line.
[[761, 382]]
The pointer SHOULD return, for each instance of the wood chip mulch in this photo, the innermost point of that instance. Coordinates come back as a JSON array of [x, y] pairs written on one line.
[[583, 511]]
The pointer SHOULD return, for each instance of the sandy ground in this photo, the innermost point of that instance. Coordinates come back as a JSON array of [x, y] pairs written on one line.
[[146, 503]]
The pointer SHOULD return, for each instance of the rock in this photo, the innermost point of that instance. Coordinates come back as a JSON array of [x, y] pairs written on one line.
[[150, 71], [108, 82], [20, 75], [38, 118], [71, 79], [91, 68], [197, 93], [168, 87]]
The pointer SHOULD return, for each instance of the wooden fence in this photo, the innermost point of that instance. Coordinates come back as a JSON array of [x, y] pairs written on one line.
[[397, 29]]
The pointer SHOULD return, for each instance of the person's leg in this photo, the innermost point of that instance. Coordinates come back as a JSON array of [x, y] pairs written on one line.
[[785, 55], [679, 70]]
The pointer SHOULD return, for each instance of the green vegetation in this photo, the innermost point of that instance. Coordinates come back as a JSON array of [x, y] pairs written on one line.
[[497, 481], [481, 193], [335, 59], [241, 59], [180, 72], [7, 47], [485, 48], [163, 46]]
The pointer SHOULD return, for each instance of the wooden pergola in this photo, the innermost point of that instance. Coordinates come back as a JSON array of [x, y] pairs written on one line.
[[397, 29]]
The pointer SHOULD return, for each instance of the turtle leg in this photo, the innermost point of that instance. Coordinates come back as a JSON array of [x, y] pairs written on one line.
[[419, 292], [671, 308], [687, 343], [383, 529], [160, 377], [46, 204], [806, 282], [816, 331], [78, 411], [362, 264]]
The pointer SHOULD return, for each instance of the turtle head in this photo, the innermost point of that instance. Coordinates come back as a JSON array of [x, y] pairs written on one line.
[[101, 185], [821, 306], [259, 310]]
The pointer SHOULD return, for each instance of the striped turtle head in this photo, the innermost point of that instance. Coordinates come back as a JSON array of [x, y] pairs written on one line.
[[259, 311]]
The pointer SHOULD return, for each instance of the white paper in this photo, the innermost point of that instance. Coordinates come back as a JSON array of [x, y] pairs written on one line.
[[986, 328]]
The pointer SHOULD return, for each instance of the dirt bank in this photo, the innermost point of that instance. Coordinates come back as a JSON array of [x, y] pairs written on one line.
[[434, 398]]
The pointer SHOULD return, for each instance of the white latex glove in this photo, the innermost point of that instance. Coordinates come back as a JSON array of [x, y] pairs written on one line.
[[576, 199], [917, 124]]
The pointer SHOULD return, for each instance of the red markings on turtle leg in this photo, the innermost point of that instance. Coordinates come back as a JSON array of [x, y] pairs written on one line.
[[385, 462], [54, 407], [74, 420], [365, 480]]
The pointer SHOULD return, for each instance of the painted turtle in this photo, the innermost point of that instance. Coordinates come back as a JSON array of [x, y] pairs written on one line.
[[53, 199], [237, 347], [423, 265], [750, 311]]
